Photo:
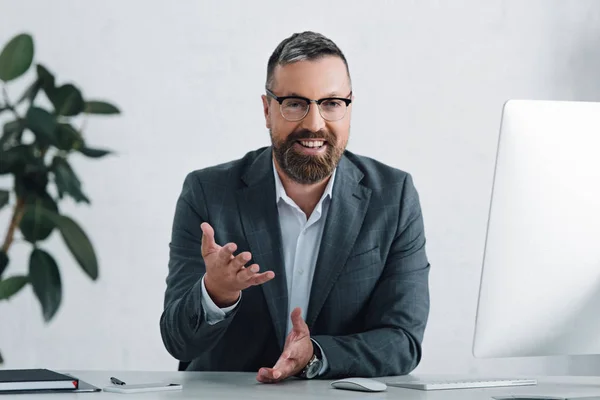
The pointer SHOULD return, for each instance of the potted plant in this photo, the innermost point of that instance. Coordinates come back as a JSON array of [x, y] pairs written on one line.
[[35, 146]]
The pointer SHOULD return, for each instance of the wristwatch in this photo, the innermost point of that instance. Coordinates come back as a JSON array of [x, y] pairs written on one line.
[[314, 365]]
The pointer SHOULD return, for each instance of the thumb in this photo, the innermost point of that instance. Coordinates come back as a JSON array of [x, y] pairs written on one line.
[[208, 238], [297, 322]]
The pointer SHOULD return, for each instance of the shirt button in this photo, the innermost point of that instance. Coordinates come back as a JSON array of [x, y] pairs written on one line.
[[300, 271]]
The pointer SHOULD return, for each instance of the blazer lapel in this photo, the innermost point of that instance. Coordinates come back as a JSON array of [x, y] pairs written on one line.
[[260, 221], [349, 203]]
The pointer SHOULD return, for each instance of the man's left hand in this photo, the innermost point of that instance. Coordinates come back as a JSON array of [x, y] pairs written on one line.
[[297, 352]]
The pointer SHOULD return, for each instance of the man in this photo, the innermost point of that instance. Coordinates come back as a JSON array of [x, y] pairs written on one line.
[[299, 259]]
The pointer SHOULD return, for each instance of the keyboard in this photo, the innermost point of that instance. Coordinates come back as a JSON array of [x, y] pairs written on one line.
[[462, 384]]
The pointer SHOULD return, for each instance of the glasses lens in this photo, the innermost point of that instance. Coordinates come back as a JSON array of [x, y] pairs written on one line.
[[294, 109], [333, 110]]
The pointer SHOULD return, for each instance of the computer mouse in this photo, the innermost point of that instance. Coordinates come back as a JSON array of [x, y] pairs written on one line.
[[359, 384]]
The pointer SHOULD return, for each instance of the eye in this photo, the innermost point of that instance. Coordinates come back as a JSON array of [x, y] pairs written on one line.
[[294, 104], [332, 104]]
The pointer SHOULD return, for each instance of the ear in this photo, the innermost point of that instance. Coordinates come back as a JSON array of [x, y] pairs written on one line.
[[349, 113], [266, 111]]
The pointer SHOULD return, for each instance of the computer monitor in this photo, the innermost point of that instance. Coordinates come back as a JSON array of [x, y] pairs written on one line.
[[540, 282]]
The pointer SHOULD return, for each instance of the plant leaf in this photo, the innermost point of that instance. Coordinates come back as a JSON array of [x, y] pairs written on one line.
[[94, 153], [37, 222], [10, 286], [32, 180], [4, 197], [42, 124], [66, 180], [67, 137], [77, 241], [31, 92], [12, 127], [46, 78], [15, 159], [3, 261], [67, 100], [45, 279], [100, 107], [10, 132], [16, 57], [80, 245]]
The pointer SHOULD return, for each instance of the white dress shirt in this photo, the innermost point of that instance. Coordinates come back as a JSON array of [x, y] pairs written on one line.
[[301, 242]]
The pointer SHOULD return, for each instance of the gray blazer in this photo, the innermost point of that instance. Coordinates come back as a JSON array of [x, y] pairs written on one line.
[[369, 299]]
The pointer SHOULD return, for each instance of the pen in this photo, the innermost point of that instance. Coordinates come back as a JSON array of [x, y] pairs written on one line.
[[116, 381]]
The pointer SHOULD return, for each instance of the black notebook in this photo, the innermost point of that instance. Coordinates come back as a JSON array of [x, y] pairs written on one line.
[[25, 380]]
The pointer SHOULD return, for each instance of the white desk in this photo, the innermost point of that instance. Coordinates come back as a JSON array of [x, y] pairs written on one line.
[[228, 385]]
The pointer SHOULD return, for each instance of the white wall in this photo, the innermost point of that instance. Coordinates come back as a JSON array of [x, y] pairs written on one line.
[[429, 77]]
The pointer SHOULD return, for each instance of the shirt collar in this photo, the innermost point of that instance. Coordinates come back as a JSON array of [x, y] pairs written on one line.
[[281, 194]]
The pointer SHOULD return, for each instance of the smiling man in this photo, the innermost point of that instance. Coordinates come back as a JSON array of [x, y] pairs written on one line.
[[302, 258]]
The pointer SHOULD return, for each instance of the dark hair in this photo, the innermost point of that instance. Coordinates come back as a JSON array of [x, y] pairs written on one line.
[[300, 47]]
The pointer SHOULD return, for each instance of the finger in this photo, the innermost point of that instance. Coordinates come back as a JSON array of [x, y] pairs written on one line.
[[262, 379], [284, 368], [259, 279], [299, 326], [240, 260], [245, 274], [226, 253], [265, 375], [208, 237], [273, 374]]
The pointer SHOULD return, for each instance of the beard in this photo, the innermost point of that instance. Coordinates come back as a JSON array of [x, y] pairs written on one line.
[[303, 168]]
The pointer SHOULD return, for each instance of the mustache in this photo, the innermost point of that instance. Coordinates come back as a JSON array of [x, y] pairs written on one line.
[[307, 135]]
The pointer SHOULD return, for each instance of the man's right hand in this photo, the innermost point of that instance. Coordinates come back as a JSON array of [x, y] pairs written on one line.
[[226, 275]]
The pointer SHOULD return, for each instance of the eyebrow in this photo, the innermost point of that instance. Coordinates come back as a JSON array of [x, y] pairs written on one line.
[[331, 94]]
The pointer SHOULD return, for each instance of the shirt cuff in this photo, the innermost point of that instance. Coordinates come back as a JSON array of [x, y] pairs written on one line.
[[214, 314], [325, 364]]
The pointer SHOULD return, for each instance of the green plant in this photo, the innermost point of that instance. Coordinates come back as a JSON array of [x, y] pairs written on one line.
[[35, 145]]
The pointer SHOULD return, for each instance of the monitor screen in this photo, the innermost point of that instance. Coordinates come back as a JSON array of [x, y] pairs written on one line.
[[540, 282]]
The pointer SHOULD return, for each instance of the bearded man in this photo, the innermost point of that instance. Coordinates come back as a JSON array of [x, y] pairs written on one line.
[[302, 258]]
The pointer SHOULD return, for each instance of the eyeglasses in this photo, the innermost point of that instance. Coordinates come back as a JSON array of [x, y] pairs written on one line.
[[295, 108]]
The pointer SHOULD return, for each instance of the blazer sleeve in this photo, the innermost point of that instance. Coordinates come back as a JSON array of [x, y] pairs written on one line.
[[185, 331], [397, 311]]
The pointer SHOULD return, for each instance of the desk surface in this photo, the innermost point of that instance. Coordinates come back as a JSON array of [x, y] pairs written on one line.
[[228, 385]]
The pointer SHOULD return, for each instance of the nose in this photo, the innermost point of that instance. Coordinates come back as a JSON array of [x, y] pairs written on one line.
[[313, 120]]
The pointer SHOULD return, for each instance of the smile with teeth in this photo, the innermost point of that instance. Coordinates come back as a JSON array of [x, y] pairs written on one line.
[[312, 143]]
